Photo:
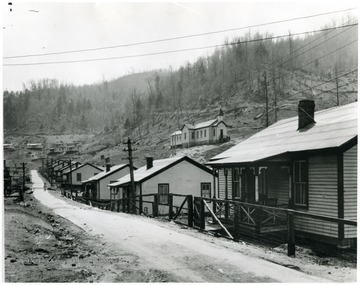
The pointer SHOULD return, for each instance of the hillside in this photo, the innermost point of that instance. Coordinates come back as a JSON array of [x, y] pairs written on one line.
[[254, 81]]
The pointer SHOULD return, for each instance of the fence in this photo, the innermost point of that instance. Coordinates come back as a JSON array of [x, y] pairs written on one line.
[[259, 224]]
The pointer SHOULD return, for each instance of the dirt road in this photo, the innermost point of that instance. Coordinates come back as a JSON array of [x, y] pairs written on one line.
[[157, 246]]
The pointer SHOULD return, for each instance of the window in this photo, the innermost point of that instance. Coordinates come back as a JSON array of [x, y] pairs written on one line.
[[193, 135], [197, 134], [78, 176], [184, 136], [201, 133], [214, 132], [204, 133], [163, 191], [300, 178], [206, 190]]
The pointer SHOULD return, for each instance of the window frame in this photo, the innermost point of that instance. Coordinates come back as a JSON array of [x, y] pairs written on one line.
[[304, 189], [163, 197], [201, 189], [77, 176]]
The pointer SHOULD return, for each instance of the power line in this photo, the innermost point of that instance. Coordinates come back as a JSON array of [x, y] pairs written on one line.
[[179, 37], [173, 51]]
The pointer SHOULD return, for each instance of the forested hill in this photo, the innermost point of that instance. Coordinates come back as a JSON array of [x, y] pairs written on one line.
[[246, 72]]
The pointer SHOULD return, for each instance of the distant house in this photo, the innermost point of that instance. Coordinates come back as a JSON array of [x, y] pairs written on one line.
[[179, 175], [176, 139], [308, 163], [78, 174], [35, 146], [96, 186], [9, 147], [209, 132], [58, 172]]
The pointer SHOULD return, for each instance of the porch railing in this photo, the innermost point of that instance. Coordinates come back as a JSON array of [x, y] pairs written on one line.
[[236, 220]]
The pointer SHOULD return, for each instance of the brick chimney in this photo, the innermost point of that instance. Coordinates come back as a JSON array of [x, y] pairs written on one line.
[[306, 109], [108, 166], [149, 162]]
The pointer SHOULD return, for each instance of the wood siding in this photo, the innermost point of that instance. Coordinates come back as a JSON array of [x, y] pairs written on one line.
[[222, 184], [278, 184], [322, 185], [350, 190]]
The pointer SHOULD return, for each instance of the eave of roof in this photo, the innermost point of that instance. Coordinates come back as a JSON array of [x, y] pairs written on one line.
[[105, 173], [334, 128], [143, 174]]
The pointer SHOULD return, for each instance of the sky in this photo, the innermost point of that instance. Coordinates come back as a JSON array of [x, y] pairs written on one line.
[[37, 28]]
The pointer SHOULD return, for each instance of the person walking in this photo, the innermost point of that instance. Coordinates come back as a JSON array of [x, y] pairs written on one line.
[[45, 186]]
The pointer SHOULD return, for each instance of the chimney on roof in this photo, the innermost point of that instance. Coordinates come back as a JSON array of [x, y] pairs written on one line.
[[108, 166], [221, 115], [306, 109], [149, 162]]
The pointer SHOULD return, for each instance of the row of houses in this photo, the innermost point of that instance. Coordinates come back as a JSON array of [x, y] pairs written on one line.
[[307, 163]]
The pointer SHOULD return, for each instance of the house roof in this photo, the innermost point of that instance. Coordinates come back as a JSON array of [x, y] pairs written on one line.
[[333, 128], [159, 166], [82, 165], [67, 166], [104, 174], [176, 133], [200, 125]]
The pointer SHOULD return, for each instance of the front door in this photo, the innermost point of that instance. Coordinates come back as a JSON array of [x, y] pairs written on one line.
[[248, 184]]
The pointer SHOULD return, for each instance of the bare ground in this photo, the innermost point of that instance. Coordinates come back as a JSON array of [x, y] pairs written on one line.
[[41, 246]]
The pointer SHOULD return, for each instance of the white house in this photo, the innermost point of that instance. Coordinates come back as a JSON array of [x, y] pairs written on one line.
[[96, 186], [177, 175], [176, 139], [80, 173], [208, 132]]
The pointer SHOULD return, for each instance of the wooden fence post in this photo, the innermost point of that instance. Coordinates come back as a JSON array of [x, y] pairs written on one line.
[[140, 205], [118, 205], [156, 206], [236, 221], [128, 205], [190, 210], [291, 234], [214, 210], [202, 214], [170, 207]]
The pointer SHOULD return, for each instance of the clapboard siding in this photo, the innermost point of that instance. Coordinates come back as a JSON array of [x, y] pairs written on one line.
[[278, 184], [222, 184], [350, 190], [322, 196]]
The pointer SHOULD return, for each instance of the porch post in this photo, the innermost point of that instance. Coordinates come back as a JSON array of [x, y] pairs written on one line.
[[256, 184], [214, 183], [290, 179], [226, 193]]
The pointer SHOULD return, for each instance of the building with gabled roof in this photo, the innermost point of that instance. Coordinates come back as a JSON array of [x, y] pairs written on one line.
[[96, 186], [209, 132], [76, 175], [308, 163], [178, 175]]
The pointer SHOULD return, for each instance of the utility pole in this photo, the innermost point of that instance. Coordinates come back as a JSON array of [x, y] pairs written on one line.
[[70, 179], [129, 149], [266, 100], [23, 184]]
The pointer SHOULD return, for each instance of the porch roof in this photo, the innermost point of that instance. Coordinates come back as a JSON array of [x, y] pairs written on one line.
[[333, 128]]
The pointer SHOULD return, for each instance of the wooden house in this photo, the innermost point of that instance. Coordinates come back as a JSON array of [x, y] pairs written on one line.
[[209, 132], [177, 175], [308, 163], [58, 171], [76, 175], [96, 186], [176, 139]]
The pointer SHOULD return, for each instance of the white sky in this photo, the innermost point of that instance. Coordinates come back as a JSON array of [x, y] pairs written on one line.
[[70, 26]]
